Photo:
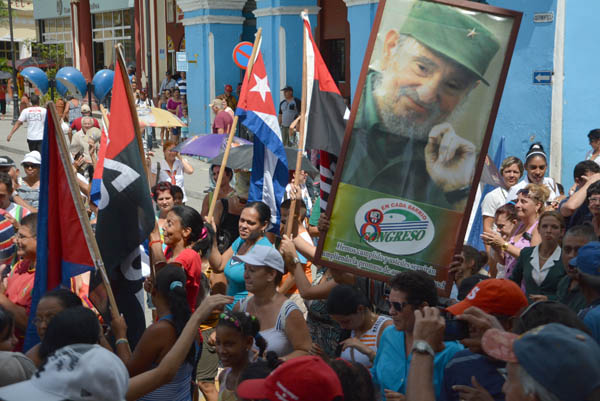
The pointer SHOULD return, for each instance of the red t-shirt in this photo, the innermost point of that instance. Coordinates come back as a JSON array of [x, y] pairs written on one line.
[[76, 125], [192, 264], [19, 286], [222, 120]]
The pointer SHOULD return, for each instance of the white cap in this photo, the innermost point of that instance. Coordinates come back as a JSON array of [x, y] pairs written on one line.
[[262, 255], [85, 108], [79, 372], [33, 157]]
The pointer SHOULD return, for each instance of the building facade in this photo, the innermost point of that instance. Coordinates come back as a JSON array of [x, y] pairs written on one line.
[[23, 30]]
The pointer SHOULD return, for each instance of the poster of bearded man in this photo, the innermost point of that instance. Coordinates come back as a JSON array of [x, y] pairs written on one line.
[[420, 127]]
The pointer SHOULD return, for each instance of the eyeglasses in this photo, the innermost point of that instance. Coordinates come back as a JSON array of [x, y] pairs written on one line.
[[30, 165], [19, 236], [44, 319], [594, 200], [398, 306]]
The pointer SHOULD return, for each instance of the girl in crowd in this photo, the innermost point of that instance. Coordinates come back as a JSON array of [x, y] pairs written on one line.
[[352, 310], [173, 311], [536, 164], [594, 153], [16, 295], [540, 267], [254, 220], [51, 304], [29, 190], [185, 235], [237, 332], [530, 204], [470, 262], [511, 171], [281, 322], [76, 325], [174, 105], [171, 169], [8, 339], [163, 197], [228, 210]]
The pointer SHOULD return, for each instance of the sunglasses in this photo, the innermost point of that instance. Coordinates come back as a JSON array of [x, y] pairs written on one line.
[[30, 165], [398, 306]]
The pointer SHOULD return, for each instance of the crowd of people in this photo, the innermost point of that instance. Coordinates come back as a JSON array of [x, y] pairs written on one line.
[[242, 313]]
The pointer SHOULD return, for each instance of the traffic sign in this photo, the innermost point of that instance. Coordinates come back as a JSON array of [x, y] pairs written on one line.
[[241, 54], [181, 61], [542, 77]]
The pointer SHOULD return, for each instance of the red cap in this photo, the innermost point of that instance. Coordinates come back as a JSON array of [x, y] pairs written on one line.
[[228, 87], [496, 296], [306, 378]]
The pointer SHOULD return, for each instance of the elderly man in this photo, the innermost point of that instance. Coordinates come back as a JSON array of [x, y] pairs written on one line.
[[84, 141], [223, 119], [401, 143], [85, 112]]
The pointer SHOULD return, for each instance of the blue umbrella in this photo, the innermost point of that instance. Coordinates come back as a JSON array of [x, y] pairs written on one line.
[[103, 82], [73, 80], [37, 77]]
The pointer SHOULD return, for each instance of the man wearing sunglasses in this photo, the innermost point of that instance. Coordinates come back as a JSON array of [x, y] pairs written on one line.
[[588, 277], [410, 291]]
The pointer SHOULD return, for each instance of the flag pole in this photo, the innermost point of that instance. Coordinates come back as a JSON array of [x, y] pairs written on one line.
[[104, 117], [291, 220], [134, 115], [90, 238], [213, 201]]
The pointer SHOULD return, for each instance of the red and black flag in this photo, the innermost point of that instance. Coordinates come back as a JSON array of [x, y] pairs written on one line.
[[125, 213], [326, 113]]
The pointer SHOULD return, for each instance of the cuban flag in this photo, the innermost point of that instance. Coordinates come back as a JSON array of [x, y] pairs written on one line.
[[256, 111], [62, 249]]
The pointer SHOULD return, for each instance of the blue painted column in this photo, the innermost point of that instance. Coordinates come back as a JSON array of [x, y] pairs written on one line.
[[282, 42], [361, 14], [212, 29]]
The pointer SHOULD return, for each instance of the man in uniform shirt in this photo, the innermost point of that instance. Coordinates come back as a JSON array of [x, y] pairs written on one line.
[[401, 144], [289, 109]]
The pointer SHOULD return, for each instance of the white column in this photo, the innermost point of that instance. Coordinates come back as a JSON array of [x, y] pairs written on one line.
[[556, 124]]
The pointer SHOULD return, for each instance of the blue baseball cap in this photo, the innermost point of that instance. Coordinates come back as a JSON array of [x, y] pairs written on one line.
[[562, 359], [588, 259]]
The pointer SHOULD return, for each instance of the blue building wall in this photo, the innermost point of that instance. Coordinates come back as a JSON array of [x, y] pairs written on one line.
[[361, 19], [580, 90], [525, 110]]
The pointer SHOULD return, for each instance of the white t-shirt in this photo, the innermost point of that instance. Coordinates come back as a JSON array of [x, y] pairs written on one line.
[[166, 174], [588, 156], [548, 182], [35, 117], [493, 200]]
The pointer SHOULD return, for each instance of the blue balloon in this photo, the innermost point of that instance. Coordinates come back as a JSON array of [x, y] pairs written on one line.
[[37, 77], [103, 82], [61, 88], [73, 80]]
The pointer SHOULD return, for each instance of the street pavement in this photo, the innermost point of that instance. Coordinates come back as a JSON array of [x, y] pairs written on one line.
[[195, 184]]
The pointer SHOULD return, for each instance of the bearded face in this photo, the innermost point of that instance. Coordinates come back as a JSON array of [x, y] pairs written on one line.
[[417, 88]]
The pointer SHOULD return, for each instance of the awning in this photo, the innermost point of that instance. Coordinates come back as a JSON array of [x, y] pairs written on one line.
[[20, 34]]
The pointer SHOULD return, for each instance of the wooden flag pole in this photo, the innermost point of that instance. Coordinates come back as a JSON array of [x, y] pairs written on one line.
[[213, 201], [291, 220], [104, 117], [90, 238]]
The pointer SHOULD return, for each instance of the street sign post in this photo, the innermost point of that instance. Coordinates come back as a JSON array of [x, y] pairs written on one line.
[[542, 77], [241, 54]]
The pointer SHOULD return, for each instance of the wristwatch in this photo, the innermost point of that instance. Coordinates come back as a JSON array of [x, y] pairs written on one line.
[[505, 246], [296, 261], [422, 347]]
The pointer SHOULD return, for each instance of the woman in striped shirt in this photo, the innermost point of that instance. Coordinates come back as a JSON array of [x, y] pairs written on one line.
[[352, 310]]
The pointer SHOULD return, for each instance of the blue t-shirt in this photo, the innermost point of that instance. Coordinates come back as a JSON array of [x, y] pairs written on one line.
[[391, 365], [591, 318], [488, 372], [234, 273]]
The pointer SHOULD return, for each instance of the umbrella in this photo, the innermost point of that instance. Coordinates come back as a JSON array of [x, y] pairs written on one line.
[[241, 158], [32, 62], [5, 75], [209, 145], [155, 117]]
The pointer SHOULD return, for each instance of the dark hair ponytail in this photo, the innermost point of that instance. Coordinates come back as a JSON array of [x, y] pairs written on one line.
[[202, 234], [170, 283], [247, 325], [535, 149]]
